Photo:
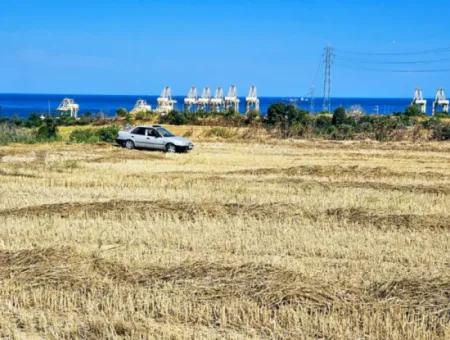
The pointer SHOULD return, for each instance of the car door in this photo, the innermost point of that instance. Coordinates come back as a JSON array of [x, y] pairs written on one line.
[[154, 139], [138, 137]]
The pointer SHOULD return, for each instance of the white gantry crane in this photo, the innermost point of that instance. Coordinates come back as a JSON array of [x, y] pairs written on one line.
[[218, 102], [191, 100], [440, 101], [419, 101], [165, 102], [68, 106], [205, 100], [252, 100], [141, 106], [232, 100]]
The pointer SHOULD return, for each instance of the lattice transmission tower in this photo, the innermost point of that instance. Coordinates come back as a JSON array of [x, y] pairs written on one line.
[[328, 56]]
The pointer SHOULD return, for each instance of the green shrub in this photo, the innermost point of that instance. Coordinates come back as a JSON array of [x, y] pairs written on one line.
[[48, 131], [13, 134], [174, 118], [339, 116], [441, 131], [108, 133], [121, 112], [413, 110], [84, 136]]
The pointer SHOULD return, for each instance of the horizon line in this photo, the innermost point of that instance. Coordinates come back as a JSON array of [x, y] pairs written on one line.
[[177, 95]]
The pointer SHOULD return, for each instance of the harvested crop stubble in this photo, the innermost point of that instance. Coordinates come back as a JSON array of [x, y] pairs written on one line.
[[286, 239], [182, 210]]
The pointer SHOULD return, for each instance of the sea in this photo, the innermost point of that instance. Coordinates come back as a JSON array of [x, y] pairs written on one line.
[[22, 105]]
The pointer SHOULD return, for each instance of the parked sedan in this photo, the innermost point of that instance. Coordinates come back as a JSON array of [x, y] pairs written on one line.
[[153, 137]]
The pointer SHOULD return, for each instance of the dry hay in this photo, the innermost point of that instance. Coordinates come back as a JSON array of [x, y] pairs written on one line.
[[181, 210], [411, 221], [264, 284], [66, 268], [336, 171], [429, 293]]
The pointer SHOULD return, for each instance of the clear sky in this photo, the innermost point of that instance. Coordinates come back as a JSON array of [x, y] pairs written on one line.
[[138, 46]]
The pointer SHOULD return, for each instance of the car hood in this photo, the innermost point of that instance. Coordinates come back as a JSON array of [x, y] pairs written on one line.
[[178, 140]]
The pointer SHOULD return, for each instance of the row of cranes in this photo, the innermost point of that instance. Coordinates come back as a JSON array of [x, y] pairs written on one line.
[[219, 102], [440, 101]]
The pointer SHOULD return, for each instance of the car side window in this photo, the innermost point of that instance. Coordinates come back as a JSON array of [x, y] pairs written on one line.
[[152, 133], [139, 131]]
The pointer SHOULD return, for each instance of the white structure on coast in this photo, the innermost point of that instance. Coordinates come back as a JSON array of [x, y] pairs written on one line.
[[204, 101], [141, 106], [218, 102], [440, 101], [68, 106], [419, 101], [232, 100], [252, 100], [165, 102], [191, 100]]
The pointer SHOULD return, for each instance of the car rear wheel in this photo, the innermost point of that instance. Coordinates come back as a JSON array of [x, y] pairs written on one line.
[[129, 144], [171, 148]]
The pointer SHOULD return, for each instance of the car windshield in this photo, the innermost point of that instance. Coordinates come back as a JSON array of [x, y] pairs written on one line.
[[164, 132]]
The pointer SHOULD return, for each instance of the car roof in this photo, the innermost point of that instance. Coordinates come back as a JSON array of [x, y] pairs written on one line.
[[147, 126]]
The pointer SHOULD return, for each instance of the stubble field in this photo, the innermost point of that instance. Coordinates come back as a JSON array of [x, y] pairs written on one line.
[[287, 239]]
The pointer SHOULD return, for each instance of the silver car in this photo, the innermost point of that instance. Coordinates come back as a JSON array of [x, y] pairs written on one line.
[[153, 137]]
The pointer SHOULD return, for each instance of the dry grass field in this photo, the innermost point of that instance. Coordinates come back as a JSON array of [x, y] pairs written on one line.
[[285, 239]]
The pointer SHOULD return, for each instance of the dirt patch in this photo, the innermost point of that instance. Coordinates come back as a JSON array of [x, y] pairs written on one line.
[[363, 217]]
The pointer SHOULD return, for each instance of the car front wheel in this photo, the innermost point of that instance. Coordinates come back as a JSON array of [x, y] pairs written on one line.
[[129, 144], [171, 148]]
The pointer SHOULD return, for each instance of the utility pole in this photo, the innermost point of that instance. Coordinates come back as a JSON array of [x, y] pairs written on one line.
[[328, 56]]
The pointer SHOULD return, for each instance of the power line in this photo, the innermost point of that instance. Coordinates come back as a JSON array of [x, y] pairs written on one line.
[[393, 70], [390, 62], [430, 51]]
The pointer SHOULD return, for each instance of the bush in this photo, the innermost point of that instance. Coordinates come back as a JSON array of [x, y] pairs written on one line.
[[441, 131], [108, 133], [252, 116], [174, 118], [413, 110], [121, 112], [84, 136], [339, 116], [279, 112], [48, 131], [34, 120], [104, 134], [13, 134], [323, 121]]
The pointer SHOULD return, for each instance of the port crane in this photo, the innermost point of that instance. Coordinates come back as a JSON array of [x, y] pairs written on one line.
[[141, 106], [165, 102], [205, 100], [232, 100], [419, 101], [218, 102], [252, 100], [440, 101], [191, 100], [68, 106]]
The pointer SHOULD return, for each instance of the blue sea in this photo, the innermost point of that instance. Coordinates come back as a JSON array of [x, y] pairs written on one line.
[[21, 105]]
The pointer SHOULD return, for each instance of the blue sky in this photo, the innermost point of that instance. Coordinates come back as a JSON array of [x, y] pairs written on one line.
[[139, 46]]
